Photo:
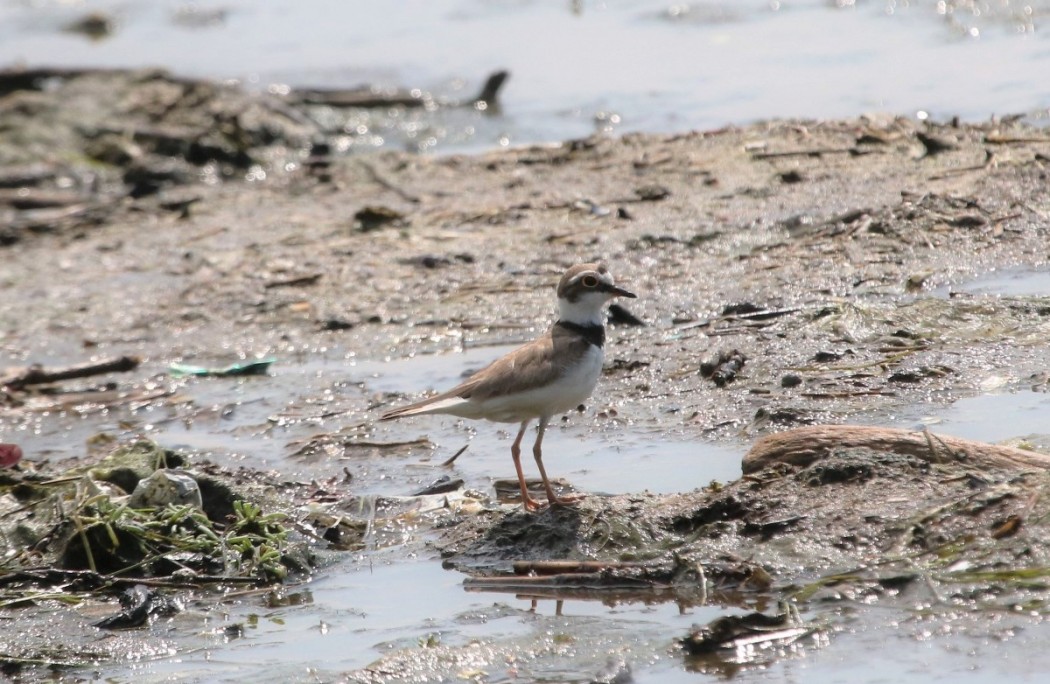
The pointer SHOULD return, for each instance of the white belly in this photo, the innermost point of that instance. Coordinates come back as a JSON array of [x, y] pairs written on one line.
[[564, 394]]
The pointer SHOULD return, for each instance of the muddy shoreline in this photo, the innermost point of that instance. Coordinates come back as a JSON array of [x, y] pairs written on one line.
[[188, 222]]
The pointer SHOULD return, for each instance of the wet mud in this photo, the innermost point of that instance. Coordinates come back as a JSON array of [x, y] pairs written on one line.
[[789, 273]]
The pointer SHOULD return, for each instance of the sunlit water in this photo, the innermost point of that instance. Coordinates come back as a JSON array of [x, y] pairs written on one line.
[[1007, 282], [375, 603], [354, 616], [261, 420], [581, 66]]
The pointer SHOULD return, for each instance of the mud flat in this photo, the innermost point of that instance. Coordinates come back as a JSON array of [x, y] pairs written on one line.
[[790, 273]]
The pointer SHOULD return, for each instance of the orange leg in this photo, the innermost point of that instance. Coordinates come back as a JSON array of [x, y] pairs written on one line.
[[537, 452], [527, 501]]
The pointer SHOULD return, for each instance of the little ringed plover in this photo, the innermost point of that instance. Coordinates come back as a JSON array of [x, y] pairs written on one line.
[[552, 374]]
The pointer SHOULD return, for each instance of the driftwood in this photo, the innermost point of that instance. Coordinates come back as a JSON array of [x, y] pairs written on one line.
[[805, 445], [38, 375], [369, 98]]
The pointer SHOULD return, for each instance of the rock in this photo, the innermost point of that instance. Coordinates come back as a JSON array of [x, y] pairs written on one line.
[[166, 487]]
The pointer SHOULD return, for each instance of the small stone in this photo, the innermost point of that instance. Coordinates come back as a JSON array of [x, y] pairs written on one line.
[[652, 193], [372, 218], [165, 487]]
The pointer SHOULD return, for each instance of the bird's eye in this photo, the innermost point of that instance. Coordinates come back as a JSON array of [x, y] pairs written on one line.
[[590, 281]]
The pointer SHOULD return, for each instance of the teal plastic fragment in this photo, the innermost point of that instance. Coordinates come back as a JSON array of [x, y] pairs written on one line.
[[259, 367]]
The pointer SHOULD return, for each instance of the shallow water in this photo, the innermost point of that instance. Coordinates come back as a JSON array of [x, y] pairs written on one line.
[[607, 456], [578, 67], [1007, 282], [259, 421], [362, 611], [373, 604], [995, 417]]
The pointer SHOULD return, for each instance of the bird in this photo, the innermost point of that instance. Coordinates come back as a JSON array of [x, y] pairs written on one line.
[[552, 374]]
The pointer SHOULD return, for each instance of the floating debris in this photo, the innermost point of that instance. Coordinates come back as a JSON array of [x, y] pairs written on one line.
[[723, 368], [370, 97], [442, 485], [742, 636], [259, 367], [138, 604]]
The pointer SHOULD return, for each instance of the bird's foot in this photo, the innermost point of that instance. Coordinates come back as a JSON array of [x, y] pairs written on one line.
[[567, 500], [532, 505]]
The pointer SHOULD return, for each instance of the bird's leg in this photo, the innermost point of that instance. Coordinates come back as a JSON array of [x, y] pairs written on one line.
[[537, 452], [527, 501]]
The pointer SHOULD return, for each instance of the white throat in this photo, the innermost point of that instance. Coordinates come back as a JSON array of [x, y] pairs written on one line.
[[586, 310]]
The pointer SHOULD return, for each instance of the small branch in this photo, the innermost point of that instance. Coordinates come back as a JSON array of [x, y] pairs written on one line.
[[567, 580], [38, 375], [294, 281], [381, 180], [449, 462], [817, 152], [557, 567]]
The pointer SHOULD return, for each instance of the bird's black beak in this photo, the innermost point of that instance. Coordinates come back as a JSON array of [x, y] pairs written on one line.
[[620, 292]]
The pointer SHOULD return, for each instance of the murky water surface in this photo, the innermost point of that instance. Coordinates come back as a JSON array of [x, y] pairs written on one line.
[[377, 603], [1015, 282], [577, 67]]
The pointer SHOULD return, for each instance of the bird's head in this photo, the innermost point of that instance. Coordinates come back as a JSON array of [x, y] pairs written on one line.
[[584, 291]]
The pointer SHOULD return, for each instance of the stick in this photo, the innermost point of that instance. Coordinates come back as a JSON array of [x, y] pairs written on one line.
[[456, 455], [806, 445], [490, 90], [567, 580], [818, 152], [50, 576], [557, 567], [382, 181], [38, 375]]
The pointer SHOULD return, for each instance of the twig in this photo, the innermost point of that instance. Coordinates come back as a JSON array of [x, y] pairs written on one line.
[[817, 152], [456, 455], [557, 567], [891, 359], [847, 395], [1013, 139], [54, 575], [363, 444], [378, 178], [294, 281], [38, 375], [567, 580]]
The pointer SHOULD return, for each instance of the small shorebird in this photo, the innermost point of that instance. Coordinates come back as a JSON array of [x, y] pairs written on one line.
[[552, 374]]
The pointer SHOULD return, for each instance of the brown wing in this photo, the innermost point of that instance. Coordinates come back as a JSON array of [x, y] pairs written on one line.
[[523, 369]]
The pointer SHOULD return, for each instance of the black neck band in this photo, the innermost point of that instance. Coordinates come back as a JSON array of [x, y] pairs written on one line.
[[595, 334]]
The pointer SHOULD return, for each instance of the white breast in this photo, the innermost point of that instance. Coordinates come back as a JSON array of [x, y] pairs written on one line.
[[579, 381]]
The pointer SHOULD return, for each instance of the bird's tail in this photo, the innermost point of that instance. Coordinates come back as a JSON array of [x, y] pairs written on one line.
[[440, 403], [409, 410]]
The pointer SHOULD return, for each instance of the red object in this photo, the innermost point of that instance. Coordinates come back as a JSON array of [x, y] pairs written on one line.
[[10, 454]]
